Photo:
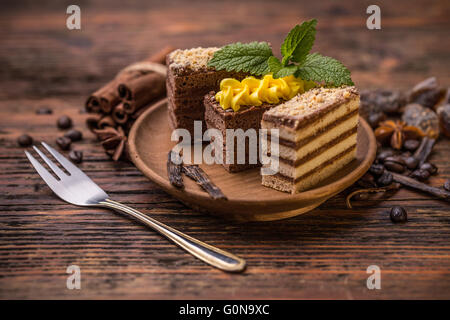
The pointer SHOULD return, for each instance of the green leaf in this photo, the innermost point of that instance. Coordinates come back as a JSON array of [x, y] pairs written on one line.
[[286, 71], [324, 69], [299, 42], [247, 57], [274, 64], [278, 70]]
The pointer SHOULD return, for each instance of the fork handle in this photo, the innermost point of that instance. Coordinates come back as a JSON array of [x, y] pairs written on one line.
[[216, 257]]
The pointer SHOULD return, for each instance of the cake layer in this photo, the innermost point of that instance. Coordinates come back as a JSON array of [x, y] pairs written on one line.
[[295, 172], [188, 108], [296, 145], [199, 82], [232, 165], [327, 169], [248, 117], [331, 144], [306, 108], [326, 139], [315, 127], [183, 122]]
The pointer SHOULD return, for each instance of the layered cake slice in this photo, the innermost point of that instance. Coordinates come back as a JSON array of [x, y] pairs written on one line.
[[188, 80], [247, 117], [238, 107], [317, 136]]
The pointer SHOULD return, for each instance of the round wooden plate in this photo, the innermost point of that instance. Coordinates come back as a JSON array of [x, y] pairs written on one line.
[[149, 143]]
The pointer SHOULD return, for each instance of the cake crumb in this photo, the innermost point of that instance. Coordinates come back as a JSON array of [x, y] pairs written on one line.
[[312, 100], [194, 59]]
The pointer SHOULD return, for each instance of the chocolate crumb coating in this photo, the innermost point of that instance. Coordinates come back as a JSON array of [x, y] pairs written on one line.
[[188, 80]]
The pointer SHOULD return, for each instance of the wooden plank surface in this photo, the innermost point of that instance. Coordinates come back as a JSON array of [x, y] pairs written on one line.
[[323, 254]]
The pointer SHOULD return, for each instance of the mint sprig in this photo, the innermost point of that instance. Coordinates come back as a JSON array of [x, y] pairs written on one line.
[[276, 67], [299, 42], [257, 58], [319, 68], [247, 57]]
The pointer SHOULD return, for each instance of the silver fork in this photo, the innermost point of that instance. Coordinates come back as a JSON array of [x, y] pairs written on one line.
[[78, 189]]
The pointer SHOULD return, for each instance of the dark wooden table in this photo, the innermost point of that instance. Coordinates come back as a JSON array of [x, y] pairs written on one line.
[[322, 254]]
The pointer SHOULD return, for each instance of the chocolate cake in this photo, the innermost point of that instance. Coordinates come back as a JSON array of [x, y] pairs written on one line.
[[188, 80], [248, 117], [317, 136]]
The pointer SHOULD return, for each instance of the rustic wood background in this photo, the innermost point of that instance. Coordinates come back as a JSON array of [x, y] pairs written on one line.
[[323, 254]]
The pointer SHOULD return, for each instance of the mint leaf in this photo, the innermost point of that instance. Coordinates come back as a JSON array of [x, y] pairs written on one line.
[[299, 42], [278, 70], [247, 57], [324, 69], [286, 71], [274, 64]]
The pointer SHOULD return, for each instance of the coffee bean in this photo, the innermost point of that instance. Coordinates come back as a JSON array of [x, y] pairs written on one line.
[[411, 145], [63, 143], [396, 159], [25, 140], [411, 163], [398, 214], [431, 168], [76, 156], [44, 110], [385, 179], [375, 118], [447, 185], [376, 169], [74, 135], [64, 122], [394, 166], [420, 175], [367, 181], [384, 154]]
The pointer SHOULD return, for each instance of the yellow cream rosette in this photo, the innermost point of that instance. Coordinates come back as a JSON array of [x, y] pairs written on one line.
[[254, 92]]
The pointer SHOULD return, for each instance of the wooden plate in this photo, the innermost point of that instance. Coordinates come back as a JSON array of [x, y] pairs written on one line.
[[149, 143]]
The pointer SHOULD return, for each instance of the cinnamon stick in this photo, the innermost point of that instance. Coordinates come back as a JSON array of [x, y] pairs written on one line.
[[92, 122], [141, 91], [106, 121], [119, 115], [107, 97], [122, 100], [104, 99]]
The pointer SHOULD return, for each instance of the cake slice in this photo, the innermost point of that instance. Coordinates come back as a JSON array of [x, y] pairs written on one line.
[[188, 80], [248, 117], [317, 136]]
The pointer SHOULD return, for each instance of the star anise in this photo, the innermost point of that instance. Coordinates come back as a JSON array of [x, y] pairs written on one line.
[[113, 141], [397, 132]]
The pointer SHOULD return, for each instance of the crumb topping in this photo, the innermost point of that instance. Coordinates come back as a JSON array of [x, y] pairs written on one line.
[[194, 59], [312, 101]]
